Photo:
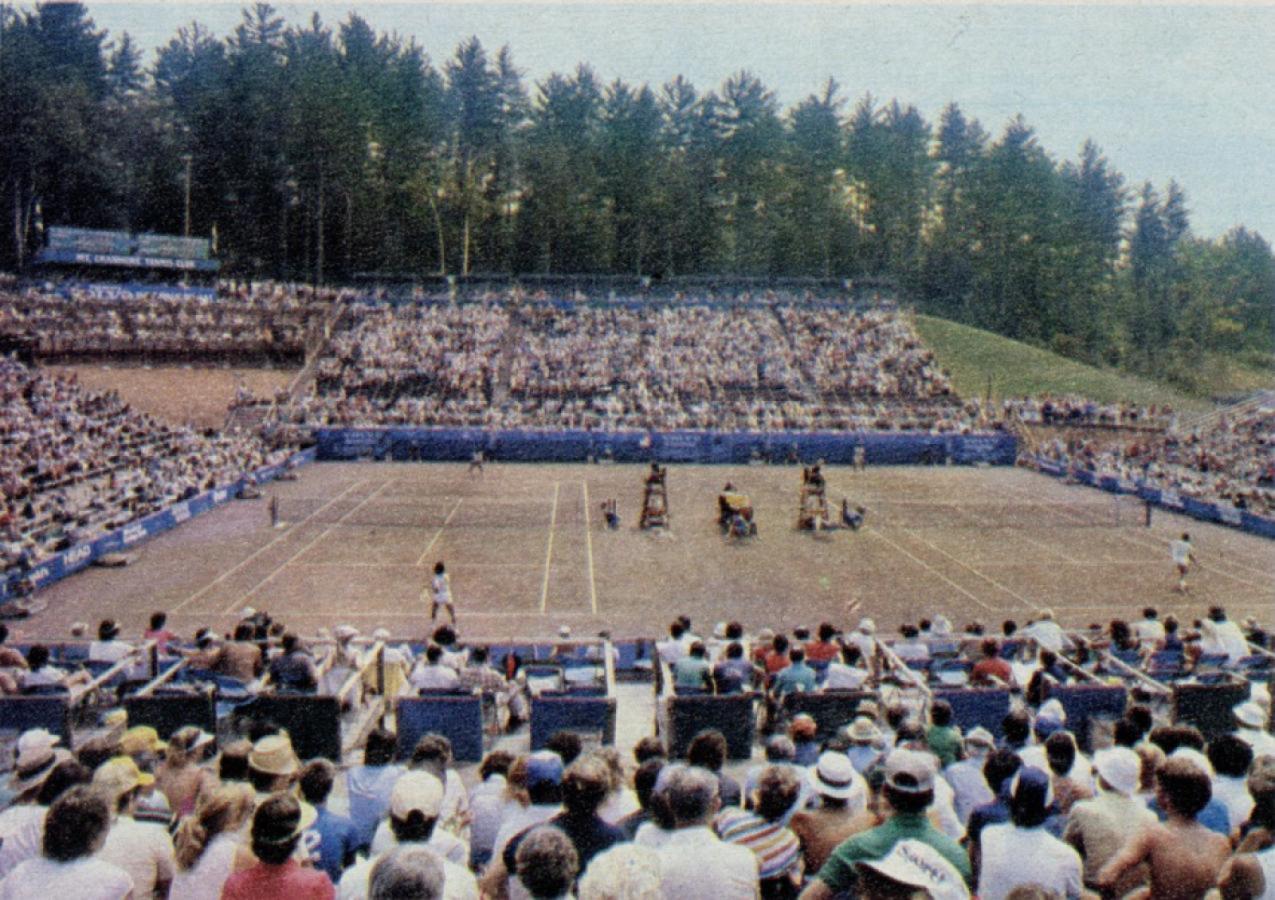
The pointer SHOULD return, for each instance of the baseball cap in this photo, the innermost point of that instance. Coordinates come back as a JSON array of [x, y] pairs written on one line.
[[1120, 768], [919, 865], [909, 771], [416, 791], [1031, 790], [544, 767], [119, 775], [1250, 715], [344, 632], [141, 739]]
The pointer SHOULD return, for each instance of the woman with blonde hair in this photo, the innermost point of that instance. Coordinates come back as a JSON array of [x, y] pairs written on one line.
[[180, 777], [210, 844]]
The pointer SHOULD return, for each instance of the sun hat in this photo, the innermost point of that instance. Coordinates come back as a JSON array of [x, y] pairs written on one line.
[[1120, 768], [345, 632], [141, 739], [38, 754], [980, 737], [1250, 715], [416, 791], [273, 755], [863, 731], [909, 771], [119, 775], [834, 776], [544, 767], [918, 865]]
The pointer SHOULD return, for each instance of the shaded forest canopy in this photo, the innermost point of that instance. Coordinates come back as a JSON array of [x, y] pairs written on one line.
[[322, 151]]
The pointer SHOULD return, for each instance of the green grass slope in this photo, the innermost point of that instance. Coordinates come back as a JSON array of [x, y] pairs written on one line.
[[975, 358]]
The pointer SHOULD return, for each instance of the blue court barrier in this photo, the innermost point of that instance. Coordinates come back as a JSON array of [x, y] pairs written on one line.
[[831, 710], [974, 707], [457, 717], [313, 722], [734, 715], [733, 448], [1165, 498], [72, 560], [1087, 705], [553, 711], [52, 713], [167, 713], [1209, 707]]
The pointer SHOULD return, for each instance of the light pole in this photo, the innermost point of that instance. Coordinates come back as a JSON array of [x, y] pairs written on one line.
[[187, 158]]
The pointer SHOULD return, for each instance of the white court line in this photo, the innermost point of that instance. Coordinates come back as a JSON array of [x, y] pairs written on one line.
[[416, 616], [1018, 533], [1157, 544], [989, 579], [260, 550], [588, 548], [394, 565], [553, 519], [439, 533], [324, 533], [923, 564]]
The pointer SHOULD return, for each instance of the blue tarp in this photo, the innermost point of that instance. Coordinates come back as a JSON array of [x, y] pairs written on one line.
[[1220, 513], [835, 448], [78, 557]]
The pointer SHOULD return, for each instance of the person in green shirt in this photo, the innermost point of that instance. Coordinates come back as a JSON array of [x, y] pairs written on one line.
[[907, 793], [943, 738], [693, 670]]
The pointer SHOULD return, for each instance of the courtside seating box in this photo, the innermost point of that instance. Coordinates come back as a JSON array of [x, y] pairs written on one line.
[[734, 715], [831, 710], [972, 708], [51, 712], [168, 713], [1088, 704], [553, 711], [313, 723], [457, 717], [1209, 706]]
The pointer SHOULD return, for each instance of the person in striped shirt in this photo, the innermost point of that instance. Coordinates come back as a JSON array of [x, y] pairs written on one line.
[[763, 831]]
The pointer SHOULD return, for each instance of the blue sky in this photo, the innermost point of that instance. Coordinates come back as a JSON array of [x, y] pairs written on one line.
[[1167, 92]]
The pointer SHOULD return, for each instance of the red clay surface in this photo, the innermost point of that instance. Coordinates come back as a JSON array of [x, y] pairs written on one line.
[[527, 553]]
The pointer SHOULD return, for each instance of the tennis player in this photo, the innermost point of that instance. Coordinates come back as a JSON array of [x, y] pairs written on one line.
[[441, 588], [1183, 557]]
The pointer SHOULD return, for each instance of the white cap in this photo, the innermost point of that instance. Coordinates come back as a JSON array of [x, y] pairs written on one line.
[[835, 776], [247, 613], [919, 865], [1196, 757], [1250, 715], [345, 632], [416, 791], [1120, 768]]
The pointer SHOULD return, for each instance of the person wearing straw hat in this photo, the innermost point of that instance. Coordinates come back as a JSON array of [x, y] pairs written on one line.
[[277, 827], [22, 823], [272, 765], [143, 849], [74, 830], [841, 811]]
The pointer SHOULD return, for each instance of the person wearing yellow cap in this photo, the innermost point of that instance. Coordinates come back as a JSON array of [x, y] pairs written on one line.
[[142, 849], [143, 745]]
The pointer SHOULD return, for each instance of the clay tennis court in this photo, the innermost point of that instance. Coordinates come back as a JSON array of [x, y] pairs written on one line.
[[526, 553]]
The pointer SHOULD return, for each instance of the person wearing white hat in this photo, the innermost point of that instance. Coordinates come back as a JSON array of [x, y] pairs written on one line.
[[22, 824], [143, 849], [415, 804], [1252, 718], [911, 864], [841, 811], [1099, 827]]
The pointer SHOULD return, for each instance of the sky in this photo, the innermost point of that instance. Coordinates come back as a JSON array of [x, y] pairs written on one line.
[[1172, 91]]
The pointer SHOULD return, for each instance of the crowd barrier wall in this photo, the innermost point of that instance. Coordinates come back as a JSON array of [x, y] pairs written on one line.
[[1164, 498], [73, 559], [733, 448]]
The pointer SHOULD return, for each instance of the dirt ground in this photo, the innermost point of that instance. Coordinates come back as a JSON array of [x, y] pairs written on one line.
[[527, 552], [181, 395]]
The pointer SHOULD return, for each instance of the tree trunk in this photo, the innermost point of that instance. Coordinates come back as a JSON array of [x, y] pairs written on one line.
[[318, 250]]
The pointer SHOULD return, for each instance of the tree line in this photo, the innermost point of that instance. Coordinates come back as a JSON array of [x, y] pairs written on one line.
[[321, 153]]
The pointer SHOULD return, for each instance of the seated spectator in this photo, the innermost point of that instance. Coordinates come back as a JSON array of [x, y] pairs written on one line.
[[707, 750], [733, 674], [644, 780], [999, 771], [159, 633], [209, 844], [42, 771], [407, 871], [142, 849], [180, 776], [966, 775], [486, 806], [241, 657], [763, 831], [1005, 847], [841, 810], [1231, 759], [625, 871], [1098, 828], [693, 670], [434, 674], [277, 827], [825, 649], [866, 743], [848, 674], [75, 829], [621, 802], [415, 805], [294, 669], [1184, 857], [541, 776], [795, 676], [695, 862], [272, 765], [433, 754], [991, 669], [942, 737], [547, 864], [40, 675], [338, 839]]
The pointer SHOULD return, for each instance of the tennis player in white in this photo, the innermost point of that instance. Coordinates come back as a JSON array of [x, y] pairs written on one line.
[[1183, 556], [441, 587]]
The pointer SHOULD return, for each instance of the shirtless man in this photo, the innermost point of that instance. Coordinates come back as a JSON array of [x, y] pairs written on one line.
[[1184, 857]]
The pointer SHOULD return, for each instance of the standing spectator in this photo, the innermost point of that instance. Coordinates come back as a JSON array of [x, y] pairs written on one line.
[[209, 844], [338, 839], [695, 862], [277, 827], [142, 849], [1007, 847], [74, 831]]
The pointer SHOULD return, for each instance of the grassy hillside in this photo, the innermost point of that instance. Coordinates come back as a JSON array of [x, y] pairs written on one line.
[[973, 357]]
